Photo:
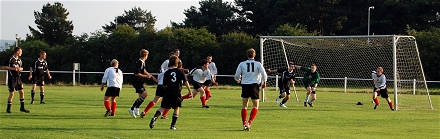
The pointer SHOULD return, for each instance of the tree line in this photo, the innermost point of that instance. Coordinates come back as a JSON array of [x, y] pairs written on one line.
[[223, 29]]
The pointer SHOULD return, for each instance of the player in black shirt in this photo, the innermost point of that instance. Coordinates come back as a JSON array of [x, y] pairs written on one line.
[[36, 75], [287, 77], [173, 79], [14, 67]]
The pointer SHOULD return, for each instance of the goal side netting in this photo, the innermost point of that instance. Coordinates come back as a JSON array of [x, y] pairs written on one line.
[[346, 63]]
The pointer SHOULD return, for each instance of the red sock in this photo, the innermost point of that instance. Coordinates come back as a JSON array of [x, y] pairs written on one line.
[[149, 106], [107, 105], [113, 107], [165, 112], [376, 100], [203, 99], [390, 104], [186, 96], [253, 115], [208, 94], [243, 115]]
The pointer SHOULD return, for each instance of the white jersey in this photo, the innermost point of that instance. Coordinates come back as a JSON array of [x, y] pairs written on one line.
[[200, 75], [160, 78], [113, 77], [164, 66], [249, 71], [213, 69], [380, 80]]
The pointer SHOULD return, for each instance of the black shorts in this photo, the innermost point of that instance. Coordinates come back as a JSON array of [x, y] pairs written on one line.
[[112, 91], [250, 91], [285, 89], [208, 83], [139, 87], [197, 85], [160, 90], [382, 93], [14, 82], [172, 99], [38, 80]]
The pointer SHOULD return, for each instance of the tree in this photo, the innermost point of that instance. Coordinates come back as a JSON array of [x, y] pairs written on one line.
[[216, 16], [53, 26], [429, 47], [136, 18], [288, 30]]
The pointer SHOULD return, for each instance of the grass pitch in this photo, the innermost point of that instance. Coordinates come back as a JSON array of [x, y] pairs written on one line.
[[77, 112]]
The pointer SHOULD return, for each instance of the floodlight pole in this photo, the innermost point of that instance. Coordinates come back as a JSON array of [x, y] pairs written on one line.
[[16, 37]]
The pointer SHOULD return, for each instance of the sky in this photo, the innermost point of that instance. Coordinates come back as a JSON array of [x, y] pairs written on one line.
[[87, 16]]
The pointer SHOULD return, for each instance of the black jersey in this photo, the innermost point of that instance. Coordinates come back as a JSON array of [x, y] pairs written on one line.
[[14, 62], [39, 66], [173, 80], [139, 67], [286, 76]]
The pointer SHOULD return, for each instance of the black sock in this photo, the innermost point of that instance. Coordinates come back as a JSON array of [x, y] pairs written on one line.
[[21, 104], [173, 122], [9, 105], [32, 94], [280, 96], [42, 96], [157, 114], [137, 103], [284, 101]]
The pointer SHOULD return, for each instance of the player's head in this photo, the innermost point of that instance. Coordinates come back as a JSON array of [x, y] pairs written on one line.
[[171, 54], [209, 57], [173, 61], [18, 51], [176, 52], [313, 68], [42, 55], [291, 65], [250, 53], [379, 71], [144, 53], [114, 63], [204, 64]]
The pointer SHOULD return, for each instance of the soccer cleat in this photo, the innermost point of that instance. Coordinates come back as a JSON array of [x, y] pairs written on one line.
[[277, 100], [32, 101], [107, 113], [282, 105], [247, 127], [305, 104], [111, 115], [392, 109], [136, 110], [375, 106], [42, 102], [8, 111], [142, 114], [153, 120], [25, 110], [310, 104], [173, 127], [132, 113], [206, 106], [163, 117]]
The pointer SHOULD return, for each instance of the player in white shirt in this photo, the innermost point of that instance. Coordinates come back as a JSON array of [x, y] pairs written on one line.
[[199, 77], [210, 80], [380, 88], [247, 74], [113, 78]]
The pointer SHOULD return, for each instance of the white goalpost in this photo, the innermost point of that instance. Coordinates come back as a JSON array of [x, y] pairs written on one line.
[[345, 64]]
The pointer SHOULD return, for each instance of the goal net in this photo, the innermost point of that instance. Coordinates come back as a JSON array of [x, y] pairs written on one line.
[[346, 63]]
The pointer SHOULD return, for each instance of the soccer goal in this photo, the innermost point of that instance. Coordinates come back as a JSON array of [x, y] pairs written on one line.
[[346, 62]]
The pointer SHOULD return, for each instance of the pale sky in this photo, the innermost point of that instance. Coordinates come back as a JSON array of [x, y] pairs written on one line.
[[87, 16]]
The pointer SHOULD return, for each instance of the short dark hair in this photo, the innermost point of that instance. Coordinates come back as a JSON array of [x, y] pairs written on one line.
[[209, 55], [291, 63], [204, 61], [173, 61], [16, 49]]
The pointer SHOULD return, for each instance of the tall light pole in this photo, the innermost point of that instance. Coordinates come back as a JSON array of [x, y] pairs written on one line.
[[16, 37], [369, 9]]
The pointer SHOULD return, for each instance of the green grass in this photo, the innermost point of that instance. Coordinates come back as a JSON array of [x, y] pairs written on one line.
[[77, 112]]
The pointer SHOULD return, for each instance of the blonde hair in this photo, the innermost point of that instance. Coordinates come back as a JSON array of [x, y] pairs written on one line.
[[113, 62], [143, 52], [250, 53], [380, 69]]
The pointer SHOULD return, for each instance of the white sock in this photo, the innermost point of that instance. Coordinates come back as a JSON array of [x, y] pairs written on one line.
[[307, 98]]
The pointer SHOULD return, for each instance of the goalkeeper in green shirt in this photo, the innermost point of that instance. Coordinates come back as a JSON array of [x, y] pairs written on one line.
[[310, 81]]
